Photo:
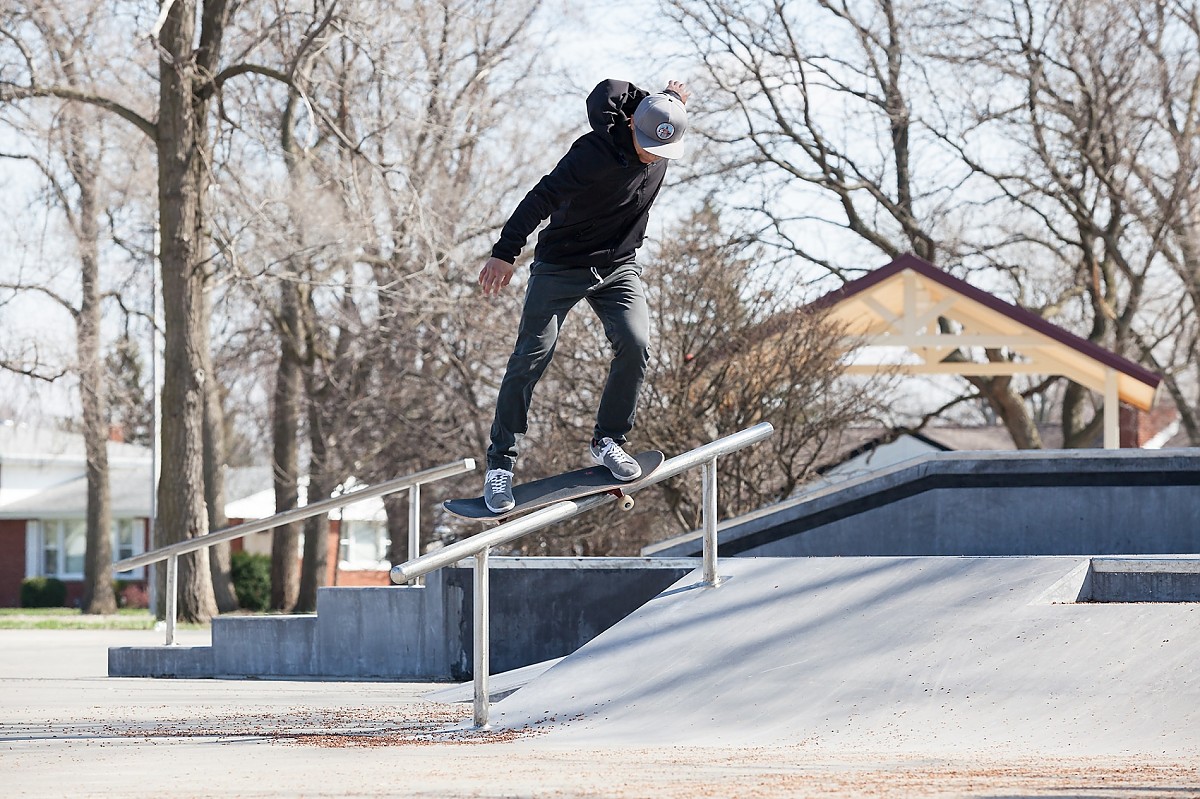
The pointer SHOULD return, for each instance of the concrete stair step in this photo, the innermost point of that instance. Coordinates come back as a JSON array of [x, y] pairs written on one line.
[[160, 661], [261, 646]]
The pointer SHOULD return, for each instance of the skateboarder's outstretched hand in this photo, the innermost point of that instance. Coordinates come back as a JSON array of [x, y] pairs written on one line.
[[494, 276]]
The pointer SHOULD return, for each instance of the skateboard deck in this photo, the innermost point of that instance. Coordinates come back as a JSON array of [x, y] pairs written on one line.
[[571, 485]]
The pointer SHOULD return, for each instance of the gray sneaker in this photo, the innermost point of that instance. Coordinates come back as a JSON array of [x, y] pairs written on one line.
[[607, 452], [497, 490]]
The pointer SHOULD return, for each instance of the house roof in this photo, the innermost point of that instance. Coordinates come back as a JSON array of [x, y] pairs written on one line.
[[129, 497], [894, 305], [255, 497], [43, 474], [21, 443]]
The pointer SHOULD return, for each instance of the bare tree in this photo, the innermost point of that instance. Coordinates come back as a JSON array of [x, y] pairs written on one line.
[[362, 260], [192, 74], [1170, 201], [1077, 119], [402, 384], [285, 467], [818, 106], [220, 556], [75, 177], [444, 181]]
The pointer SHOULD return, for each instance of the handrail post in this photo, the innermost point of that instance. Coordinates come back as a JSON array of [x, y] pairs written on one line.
[[414, 527], [709, 515], [482, 638], [172, 598]]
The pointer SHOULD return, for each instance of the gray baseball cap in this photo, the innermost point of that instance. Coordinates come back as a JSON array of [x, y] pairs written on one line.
[[659, 124]]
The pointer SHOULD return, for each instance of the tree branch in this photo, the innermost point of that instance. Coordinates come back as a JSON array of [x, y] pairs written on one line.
[[48, 292], [243, 69], [10, 93]]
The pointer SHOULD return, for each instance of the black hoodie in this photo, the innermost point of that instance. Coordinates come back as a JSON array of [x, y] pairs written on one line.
[[599, 195]]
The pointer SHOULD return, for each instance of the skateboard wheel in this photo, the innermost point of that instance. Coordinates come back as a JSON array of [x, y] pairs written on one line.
[[625, 502]]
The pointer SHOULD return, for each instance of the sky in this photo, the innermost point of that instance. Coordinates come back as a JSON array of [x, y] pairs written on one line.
[[603, 40]]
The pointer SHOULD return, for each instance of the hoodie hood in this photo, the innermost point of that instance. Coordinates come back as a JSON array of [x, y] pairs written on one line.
[[610, 106]]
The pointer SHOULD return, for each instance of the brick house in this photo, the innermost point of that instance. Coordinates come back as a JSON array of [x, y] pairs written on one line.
[[43, 503], [357, 533]]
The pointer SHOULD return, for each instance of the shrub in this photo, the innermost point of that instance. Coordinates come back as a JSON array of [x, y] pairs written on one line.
[[252, 580], [130, 594], [43, 592]]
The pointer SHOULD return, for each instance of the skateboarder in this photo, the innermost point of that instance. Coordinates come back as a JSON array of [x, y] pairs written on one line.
[[598, 200]]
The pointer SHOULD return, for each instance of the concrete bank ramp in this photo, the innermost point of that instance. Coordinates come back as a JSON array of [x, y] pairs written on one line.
[[883, 654]]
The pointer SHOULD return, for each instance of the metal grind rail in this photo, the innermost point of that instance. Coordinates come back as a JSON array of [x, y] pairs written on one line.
[[171, 552], [479, 546]]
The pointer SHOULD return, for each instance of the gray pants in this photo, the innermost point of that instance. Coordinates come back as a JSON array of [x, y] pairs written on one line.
[[616, 296]]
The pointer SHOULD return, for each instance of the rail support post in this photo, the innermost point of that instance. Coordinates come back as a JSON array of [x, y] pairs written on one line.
[[414, 527], [172, 597], [482, 638], [709, 470]]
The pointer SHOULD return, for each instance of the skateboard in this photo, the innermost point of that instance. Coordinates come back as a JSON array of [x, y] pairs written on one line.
[[571, 485]]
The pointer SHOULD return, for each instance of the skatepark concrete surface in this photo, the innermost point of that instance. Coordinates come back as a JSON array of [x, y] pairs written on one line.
[[881, 677], [900, 654]]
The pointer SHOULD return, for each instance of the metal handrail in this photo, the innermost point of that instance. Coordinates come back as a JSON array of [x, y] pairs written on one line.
[[479, 545], [171, 552]]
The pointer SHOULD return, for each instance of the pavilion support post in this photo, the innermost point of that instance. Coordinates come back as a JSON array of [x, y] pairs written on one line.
[[1112, 411]]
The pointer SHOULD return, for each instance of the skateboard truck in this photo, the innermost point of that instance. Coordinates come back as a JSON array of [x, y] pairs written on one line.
[[624, 501]]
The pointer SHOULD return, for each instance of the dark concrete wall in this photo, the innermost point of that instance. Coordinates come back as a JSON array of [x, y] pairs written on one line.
[[544, 608], [1046, 503]]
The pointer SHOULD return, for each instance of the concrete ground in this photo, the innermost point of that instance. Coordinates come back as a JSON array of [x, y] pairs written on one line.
[[67, 729]]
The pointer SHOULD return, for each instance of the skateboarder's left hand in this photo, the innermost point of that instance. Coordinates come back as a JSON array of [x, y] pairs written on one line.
[[494, 276], [679, 88]]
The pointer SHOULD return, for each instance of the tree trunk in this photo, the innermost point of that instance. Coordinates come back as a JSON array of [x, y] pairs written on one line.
[[315, 572], [396, 508], [220, 565], [285, 551], [181, 183], [1011, 408], [98, 594]]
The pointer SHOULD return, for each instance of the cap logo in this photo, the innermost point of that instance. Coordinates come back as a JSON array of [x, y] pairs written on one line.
[[665, 131]]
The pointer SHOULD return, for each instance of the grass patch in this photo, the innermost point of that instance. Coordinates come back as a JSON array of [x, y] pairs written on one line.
[[65, 612], [72, 619]]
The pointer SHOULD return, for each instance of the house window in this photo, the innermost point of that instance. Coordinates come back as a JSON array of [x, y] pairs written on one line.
[[60, 547], [364, 545], [64, 547], [50, 550], [127, 542]]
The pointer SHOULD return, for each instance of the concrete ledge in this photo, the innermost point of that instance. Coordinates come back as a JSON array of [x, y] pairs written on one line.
[[1144, 580], [160, 661], [1147, 565], [264, 646], [1148, 579]]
